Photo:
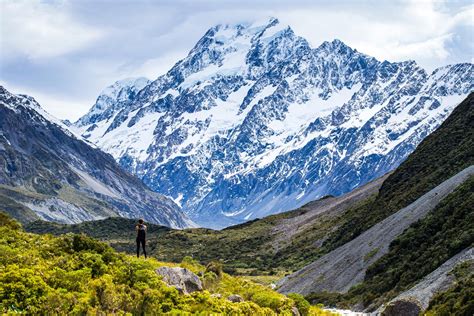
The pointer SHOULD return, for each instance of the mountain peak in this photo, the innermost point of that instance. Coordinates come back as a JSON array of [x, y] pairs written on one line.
[[3, 90], [336, 45], [249, 25], [111, 97], [225, 33], [26, 100]]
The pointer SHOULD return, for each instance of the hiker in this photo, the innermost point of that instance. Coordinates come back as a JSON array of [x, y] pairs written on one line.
[[141, 237]]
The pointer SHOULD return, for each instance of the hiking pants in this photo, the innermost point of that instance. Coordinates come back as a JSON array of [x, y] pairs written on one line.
[[141, 241]]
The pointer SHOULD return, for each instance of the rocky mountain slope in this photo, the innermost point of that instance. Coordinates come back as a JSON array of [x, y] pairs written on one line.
[[439, 280], [255, 121], [346, 266], [49, 173]]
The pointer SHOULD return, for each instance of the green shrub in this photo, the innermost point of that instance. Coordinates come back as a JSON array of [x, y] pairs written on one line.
[[301, 303], [22, 289], [459, 298], [215, 267], [7, 221], [75, 274]]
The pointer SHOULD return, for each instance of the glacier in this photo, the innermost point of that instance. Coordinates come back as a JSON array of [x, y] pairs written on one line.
[[254, 121]]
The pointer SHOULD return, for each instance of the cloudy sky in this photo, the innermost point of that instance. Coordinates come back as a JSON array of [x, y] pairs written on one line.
[[64, 53]]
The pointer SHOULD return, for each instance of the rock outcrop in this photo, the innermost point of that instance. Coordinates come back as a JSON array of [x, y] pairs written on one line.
[[182, 279], [405, 307]]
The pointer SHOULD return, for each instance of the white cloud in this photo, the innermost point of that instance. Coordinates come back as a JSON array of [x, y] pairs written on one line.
[[419, 30], [65, 52], [154, 67], [60, 107], [37, 29]]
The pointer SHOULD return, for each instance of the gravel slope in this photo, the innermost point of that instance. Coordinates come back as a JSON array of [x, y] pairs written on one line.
[[292, 226], [345, 266]]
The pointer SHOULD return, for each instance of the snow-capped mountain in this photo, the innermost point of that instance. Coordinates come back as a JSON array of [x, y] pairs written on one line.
[[112, 98], [52, 174], [255, 121]]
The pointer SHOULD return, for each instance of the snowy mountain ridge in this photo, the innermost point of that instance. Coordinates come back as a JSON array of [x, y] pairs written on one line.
[[255, 121]]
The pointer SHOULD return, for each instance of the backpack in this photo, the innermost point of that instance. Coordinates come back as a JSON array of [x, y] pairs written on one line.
[[141, 231]]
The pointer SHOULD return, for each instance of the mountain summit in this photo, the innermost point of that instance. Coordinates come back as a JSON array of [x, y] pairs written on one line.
[[255, 121]]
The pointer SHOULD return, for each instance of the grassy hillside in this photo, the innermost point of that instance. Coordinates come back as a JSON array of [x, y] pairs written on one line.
[[246, 248], [110, 229], [75, 274]]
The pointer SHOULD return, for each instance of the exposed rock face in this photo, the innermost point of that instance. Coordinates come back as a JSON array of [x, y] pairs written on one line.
[[235, 298], [255, 121], [182, 279], [405, 307], [345, 266], [59, 177]]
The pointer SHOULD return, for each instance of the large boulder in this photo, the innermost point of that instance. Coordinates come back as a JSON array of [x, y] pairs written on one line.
[[182, 279], [235, 298], [405, 307]]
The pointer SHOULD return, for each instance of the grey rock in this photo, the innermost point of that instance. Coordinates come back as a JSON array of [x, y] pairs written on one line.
[[235, 298], [405, 307], [182, 279], [284, 230]]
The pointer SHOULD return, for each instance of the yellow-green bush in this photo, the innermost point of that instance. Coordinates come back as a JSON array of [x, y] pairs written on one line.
[[301, 303], [75, 274]]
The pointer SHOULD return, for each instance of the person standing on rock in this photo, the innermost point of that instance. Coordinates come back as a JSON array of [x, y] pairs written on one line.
[[141, 237]]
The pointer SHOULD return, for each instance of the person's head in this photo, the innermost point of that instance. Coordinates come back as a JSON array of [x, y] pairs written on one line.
[[140, 221]]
